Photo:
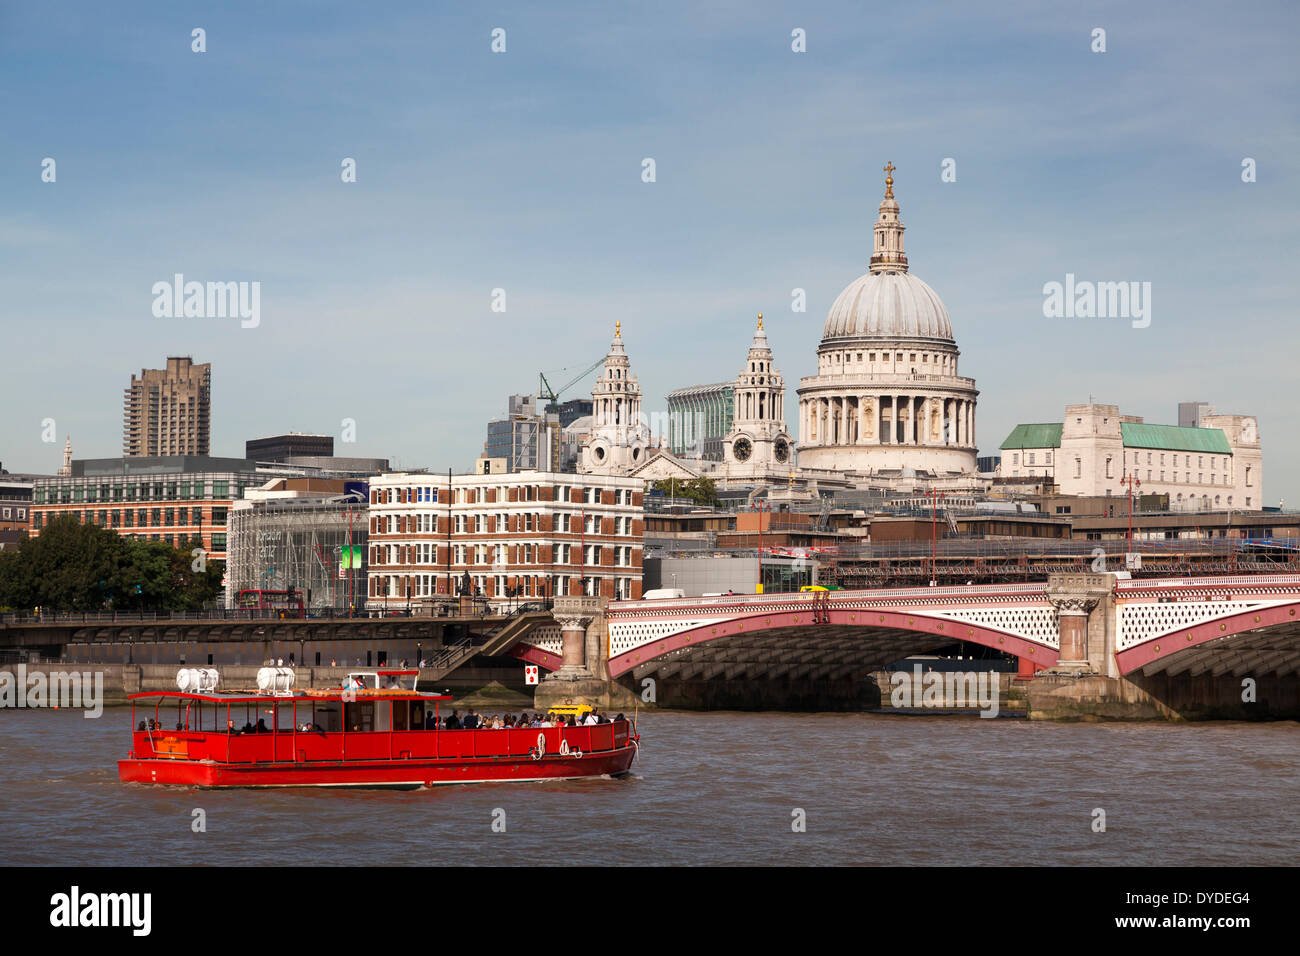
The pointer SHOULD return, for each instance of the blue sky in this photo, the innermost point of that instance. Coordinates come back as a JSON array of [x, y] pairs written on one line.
[[522, 171]]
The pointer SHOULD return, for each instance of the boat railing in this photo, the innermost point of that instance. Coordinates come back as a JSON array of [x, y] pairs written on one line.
[[291, 744]]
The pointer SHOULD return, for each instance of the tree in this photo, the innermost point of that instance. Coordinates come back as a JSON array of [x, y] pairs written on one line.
[[699, 490], [69, 565], [72, 566]]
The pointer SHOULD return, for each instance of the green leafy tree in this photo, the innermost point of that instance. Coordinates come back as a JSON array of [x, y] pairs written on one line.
[[69, 566], [72, 566], [702, 491]]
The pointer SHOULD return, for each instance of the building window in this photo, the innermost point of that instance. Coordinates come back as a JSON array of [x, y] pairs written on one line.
[[1078, 467]]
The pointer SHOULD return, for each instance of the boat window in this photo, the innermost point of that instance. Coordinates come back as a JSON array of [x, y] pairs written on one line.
[[284, 717], [359, 716], [327, 715], [401, 710]]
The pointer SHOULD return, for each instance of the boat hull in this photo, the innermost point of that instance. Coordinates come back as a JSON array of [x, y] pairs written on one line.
[[386, 774]]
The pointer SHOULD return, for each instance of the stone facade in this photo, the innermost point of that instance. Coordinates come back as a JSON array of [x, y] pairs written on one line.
[[758, 444], [887, 396], [1092, 452], [619, 441]]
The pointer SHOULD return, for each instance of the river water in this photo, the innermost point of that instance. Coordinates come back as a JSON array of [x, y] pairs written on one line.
[[708, 788]]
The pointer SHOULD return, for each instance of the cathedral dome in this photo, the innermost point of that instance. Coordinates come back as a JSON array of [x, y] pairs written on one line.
[[887, 305]]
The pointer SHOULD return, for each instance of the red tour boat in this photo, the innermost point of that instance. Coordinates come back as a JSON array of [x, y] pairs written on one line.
[[362, 735]]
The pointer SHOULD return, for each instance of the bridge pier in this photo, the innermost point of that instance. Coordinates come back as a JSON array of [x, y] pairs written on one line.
[[1084, 608], [583, 676]]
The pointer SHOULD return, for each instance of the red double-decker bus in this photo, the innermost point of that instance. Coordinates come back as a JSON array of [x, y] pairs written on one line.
[[279, 603]]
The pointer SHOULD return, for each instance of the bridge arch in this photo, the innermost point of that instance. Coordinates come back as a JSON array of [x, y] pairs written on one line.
[[1256, 634], [884, 635]]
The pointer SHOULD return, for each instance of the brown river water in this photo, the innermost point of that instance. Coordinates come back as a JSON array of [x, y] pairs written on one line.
[[707, 788]]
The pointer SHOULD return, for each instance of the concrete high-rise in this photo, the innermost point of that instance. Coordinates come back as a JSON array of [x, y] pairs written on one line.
[[168, 411]]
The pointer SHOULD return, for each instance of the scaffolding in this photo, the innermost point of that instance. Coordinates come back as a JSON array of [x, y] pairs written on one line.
[[303, 544]]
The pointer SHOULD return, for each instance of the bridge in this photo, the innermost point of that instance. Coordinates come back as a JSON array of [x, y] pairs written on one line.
[[1076, 625], [1169, 637]]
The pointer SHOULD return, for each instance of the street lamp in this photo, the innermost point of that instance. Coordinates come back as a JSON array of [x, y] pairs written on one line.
[[1131, 479], [934, 534], [761, 506]]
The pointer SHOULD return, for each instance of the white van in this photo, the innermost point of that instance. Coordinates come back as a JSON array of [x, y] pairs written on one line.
[[661, 593]]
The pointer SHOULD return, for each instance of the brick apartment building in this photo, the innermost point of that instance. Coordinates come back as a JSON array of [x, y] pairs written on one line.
[[523, 536]]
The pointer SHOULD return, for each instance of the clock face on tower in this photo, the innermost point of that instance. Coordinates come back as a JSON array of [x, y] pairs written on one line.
[[742, 449], [782, 449]]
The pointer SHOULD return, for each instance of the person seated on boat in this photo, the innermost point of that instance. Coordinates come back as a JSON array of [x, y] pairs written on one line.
[[143, 726], [592, 719], [453, 722], [248, 727], [230, 727], [180, 725], [261, 726]]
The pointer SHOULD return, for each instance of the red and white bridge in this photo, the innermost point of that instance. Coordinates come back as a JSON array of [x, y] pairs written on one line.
[[1239, 625]]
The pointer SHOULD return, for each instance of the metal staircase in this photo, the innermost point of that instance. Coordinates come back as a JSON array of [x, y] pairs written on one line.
[[499, 641]]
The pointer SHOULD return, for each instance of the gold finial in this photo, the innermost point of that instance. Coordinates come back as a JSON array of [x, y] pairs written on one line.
[[618, 330], [760, 321], [889, 179]]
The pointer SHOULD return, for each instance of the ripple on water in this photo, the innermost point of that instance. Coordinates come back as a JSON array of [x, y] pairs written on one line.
[[709, 788]]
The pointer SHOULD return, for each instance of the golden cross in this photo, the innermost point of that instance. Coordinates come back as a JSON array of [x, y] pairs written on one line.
[[618, 330], [889, 179]]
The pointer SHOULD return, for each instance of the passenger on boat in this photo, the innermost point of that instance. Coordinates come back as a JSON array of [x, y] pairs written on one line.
[[143, 726], [180, 725], [248, 727], [592, 719], [153, 724], [471, 720], [453, 722], [230, 727], [261, 726]]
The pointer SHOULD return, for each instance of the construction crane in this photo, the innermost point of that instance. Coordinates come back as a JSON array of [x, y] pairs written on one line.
[[544, 389]]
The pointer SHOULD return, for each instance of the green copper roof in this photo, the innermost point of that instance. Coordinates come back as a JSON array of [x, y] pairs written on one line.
[[1034, 436], [1135, 435], [1174, 438]]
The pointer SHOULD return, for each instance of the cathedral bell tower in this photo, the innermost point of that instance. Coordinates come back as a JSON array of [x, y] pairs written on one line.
[[619, 438], [758, 441]]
